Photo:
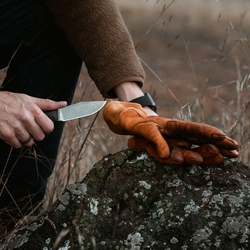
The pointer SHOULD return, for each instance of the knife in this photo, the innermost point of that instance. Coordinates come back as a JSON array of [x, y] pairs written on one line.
[[75, 111]]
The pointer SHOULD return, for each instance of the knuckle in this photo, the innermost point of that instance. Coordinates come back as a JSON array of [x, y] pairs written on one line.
[[35, 110], [7, 134], [25, 119], [16, 127], [48, 101]]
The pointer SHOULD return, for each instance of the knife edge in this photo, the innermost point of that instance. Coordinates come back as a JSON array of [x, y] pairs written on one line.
[[75, 111]]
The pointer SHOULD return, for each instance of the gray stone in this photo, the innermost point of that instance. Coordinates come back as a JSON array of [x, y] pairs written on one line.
[[129, 201]]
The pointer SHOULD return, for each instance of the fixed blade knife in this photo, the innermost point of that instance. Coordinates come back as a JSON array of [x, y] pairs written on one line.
[[75, 111]]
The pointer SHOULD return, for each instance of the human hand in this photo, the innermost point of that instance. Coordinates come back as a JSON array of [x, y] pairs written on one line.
[[153, 132], [22, 119]]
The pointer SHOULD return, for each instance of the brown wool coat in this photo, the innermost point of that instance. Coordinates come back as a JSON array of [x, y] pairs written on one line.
[[97, 31]]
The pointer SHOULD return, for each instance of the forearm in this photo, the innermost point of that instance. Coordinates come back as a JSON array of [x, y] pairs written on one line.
[[128, 91], [99, 35]]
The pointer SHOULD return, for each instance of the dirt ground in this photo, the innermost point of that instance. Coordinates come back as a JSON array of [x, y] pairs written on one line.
[[196, 57]]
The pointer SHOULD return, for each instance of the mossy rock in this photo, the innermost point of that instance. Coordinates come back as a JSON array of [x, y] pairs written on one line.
[[130, 201]]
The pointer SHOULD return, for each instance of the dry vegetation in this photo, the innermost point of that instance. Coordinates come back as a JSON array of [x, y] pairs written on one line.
[[196, 57]]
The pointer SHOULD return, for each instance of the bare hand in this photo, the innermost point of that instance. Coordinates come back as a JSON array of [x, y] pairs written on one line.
[[22, 118]]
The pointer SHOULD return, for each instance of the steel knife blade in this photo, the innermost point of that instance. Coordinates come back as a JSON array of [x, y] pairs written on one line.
[[75, 111]]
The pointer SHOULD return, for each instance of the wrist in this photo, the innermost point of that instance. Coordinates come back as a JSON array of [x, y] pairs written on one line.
[[128, 91], [149, 111], [145, 101]]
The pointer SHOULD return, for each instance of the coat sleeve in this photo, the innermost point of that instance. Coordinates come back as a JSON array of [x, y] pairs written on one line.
[[99, 35]]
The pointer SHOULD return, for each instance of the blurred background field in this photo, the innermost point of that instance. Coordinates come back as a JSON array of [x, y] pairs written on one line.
[[196, 56]]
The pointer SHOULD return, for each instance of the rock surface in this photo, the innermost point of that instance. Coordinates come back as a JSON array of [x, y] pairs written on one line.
[[130, 201]]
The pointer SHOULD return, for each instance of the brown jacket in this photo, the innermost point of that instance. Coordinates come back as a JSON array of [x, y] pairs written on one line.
[[97, 31]]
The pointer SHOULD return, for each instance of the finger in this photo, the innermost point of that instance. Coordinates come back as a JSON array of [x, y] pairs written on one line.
[[178, 142], [160, 143], [189, 131], [175, 157], [135, 144], [207, 150], [152, 134], [185, 130], [31, 126], [47, 104], [179, 156], [198, 133], [210, 153], [139, 144], [8, 135], [227, 143], [194, 130], [26, 142], [14, 142], [18, 140], [229, 153], [45, 123], [22, 134], [191, 157]]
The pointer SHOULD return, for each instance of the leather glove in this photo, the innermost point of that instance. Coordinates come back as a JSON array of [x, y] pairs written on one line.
[[180, 152], [131, 119]]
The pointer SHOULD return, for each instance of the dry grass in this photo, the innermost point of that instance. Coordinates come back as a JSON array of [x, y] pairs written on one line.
[[196, 57]]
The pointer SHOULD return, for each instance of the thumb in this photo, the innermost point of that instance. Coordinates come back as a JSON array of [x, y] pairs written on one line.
[[47, 104]]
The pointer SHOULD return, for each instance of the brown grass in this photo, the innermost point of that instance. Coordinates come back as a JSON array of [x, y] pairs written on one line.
[[196, 57]]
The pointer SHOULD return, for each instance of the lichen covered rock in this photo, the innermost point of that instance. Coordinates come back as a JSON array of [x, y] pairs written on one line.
[[130, 201]]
